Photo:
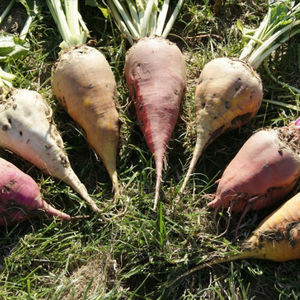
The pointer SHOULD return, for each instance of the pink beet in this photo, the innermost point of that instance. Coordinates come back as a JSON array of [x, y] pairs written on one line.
[[156, 76], [20, 197], [263, 172]]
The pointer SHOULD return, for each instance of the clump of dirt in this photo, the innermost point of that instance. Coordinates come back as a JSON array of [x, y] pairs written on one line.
[[15, 20], [95, 278]]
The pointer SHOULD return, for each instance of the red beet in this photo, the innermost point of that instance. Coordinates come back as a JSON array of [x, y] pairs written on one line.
[[20, 197], [156, 78]]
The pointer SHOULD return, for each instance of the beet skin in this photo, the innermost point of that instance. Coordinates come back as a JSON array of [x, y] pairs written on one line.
[[263, 172], [20, 197]]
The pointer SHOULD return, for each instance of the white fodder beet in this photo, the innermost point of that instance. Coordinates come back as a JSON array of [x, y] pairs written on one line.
[[27, 129]]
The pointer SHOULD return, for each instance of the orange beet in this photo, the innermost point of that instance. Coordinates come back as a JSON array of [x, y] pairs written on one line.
[[277, 238]]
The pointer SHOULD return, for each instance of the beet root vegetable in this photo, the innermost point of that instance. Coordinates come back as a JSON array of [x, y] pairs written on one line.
[[27, 129], [156, 78], [154, 70], [230, 92], [277, 238], [264, 171], [228, 95], [20, 197], [83, 82]]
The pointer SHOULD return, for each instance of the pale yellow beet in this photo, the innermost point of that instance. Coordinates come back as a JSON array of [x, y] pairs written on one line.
[[228, 95], [84, 83]]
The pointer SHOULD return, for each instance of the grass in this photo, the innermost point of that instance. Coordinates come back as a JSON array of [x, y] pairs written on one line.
[[138, 255]]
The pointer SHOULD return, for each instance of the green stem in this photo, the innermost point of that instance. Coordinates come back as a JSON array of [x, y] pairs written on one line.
[[6, 11], [289, 106], [283, 84], [123, 12], [259, 55], [59, 18], [134, 15], [71, 8], [172, 19], [25, 29], [276, 28], [152, 25], [249, 47], [146, 18], [143, 18], [118, 20], [69, 22], [82, 24], [162, 18], [6, 78]]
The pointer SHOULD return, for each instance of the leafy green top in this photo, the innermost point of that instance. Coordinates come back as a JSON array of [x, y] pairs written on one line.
[[281, 22], [69, 22], [141, 18], [12, 46]]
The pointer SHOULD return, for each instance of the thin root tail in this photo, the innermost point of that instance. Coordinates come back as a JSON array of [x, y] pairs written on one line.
[[210, 263], [157, 187], [196, 155]]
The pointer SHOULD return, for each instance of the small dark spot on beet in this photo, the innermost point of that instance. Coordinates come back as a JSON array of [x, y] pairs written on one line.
[[20, 133], [64, 161], [227, 104], [12, 182], [48, 147], [176, 92], [14, 106], [214, 95], [5, 189], [5, 127], [215, 134], [27, 141], [273, 235], [91, 86], [237, 85], [239, 78], [9, 120], [203, 104], [292, 243], [241, 119], [140, 107], [280, 152], [133, 91]]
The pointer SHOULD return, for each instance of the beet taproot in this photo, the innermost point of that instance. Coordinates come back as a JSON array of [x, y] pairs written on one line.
[[20, 197], [277, 238]]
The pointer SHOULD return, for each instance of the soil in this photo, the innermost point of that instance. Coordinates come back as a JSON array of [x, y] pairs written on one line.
[[15, 20]]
